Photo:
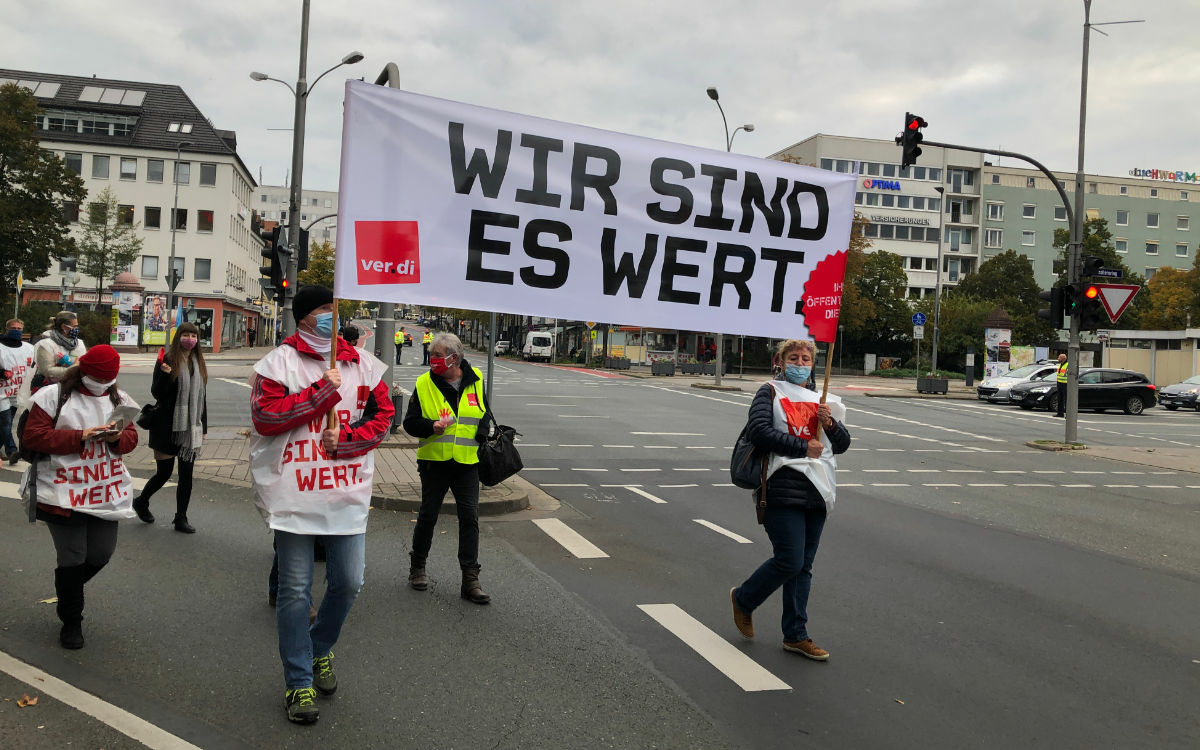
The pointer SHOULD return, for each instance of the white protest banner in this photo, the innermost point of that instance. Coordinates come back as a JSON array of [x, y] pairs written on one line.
[[453, 205]]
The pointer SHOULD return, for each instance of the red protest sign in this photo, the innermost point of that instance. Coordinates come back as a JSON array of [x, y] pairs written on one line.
[[823, 297]]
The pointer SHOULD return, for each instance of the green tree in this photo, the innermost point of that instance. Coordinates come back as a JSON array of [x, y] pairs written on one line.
[[1006, 280], [109, 242], [34, 184], [1170, 298], [856, 309], [885, 327], [1097, 241], [320, 271]]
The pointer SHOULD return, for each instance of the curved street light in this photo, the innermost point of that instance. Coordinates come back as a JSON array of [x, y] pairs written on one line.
[[749, 128], [174, 224]]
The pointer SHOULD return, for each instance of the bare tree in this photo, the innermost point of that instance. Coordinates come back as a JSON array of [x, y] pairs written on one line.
[[109, 242]]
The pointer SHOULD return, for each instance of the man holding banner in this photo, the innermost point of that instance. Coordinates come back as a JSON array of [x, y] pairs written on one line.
[[312, 480]]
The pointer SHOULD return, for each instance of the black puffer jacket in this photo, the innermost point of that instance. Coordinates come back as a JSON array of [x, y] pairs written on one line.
[[788, 487]]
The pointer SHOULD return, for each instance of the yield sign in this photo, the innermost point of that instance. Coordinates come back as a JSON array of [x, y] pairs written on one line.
[[1116, 297]]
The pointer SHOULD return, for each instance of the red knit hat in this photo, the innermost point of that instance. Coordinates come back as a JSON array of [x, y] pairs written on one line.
[[101, 363]]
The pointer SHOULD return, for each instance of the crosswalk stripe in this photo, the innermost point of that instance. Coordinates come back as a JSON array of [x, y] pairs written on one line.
[[570, 539], [647, 495], [731, 662], [723, 531]]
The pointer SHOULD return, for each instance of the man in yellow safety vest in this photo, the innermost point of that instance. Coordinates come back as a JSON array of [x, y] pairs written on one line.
[[1062, 385], [426, 340]]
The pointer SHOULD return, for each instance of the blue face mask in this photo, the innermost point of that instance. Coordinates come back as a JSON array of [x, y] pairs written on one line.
[[797, 374], [14, 334], [73, 333], [324, 325]]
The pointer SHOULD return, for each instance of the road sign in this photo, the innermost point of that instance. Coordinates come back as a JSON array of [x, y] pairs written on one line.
[[918, 319], [1116, 298], [1109, 273], [593, 335], [591, 324], [919, 330]]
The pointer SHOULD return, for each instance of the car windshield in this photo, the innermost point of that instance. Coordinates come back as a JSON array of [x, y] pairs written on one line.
[[1193, 380], [1024, 372]]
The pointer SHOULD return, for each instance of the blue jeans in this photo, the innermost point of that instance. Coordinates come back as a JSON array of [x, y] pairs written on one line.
[[298, 641], [6, 429], [795, 533]]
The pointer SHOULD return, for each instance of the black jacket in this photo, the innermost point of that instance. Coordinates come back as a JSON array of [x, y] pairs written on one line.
[[787, 487], [420, 426], [165, 391]]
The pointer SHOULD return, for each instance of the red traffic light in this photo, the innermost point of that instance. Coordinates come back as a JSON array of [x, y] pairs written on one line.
[[284, 284], [1092, 292]]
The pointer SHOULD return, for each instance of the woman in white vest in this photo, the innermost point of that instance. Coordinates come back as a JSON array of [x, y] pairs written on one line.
[[448, 415], [313, 481], [786, 419], [79, 484], [57, 349], [17, 362]]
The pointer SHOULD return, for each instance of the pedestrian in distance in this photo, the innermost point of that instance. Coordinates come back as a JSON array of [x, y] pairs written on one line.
[[77, 482], [179, 422], [426, 341], [784, 421], [313, 481], [17, 365], [351, 334], [1061, 394], [398, 338], [57, 349], [448, 415]]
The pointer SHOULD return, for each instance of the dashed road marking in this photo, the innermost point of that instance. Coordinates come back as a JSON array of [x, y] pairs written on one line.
[[723, 531], [570, 539], [637, 490]]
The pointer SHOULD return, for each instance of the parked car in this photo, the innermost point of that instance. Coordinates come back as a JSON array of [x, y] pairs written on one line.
[[995, 389], [502, 347], [1186, 394], [1099, 389]]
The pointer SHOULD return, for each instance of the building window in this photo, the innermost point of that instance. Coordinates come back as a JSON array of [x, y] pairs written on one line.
[[995, 211], [180, 219], [154, 170], [151, 217], [128, 168], [903, 201], [1121, 244], [183, 172], [1028, 237], [889, 170], [887, 200], [1153, 192], [1122, 218], [1030, 182], [75, 163], [872, 199], [902, 233], [914, 264], [204, 220], [827, 165], [1152, 221], [203, 269], [1093, 187], [1181, 249], [149, 266], [887, 232], [1183, 223], [100, 166], [1060, 213], [1183, 195], [931, 264], [70, 211], [931, 234], [935, 173], [125, 215], [1124, 190], [1028, 211], [208, 174], [993, 238], [329, 202], [1150, 271], [1151, 248], [264, 197], [918, 203]]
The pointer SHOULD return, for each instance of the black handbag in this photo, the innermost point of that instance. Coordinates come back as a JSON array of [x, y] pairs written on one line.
[[498, 456], [746, 463], [145, 417]]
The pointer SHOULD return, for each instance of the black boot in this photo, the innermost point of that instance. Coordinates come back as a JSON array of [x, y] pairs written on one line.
[[182, 525], [471, 590], [416, 573], [68, 584], [141, 506]]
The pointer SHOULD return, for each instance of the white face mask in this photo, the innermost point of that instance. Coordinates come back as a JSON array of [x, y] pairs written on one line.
[[95, 386], [319, 344]]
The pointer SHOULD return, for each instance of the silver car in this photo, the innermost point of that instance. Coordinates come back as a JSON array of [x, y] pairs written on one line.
[[995, 390]]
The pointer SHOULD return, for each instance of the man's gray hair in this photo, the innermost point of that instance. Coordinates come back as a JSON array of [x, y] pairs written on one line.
[[448, 343]]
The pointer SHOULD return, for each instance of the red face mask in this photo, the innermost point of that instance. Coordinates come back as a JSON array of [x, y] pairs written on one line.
[[440, 365]]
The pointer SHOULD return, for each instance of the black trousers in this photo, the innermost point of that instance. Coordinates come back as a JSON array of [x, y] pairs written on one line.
[[1062, 399], [463, 480]]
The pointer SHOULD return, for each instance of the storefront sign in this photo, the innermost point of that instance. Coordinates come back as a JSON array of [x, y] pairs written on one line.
[[1165, 174], [899, 220], [881, 184]]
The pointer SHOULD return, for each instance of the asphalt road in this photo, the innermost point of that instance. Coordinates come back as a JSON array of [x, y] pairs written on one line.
[[973, 593]]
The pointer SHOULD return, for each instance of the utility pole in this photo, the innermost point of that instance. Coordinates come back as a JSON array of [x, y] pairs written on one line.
[[289, 324]]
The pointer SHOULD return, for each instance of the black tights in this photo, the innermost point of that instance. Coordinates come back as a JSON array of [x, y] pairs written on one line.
[[183, 493]]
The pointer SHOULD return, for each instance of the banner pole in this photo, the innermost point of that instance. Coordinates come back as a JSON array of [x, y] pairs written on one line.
[[825, 387], [332, 418]]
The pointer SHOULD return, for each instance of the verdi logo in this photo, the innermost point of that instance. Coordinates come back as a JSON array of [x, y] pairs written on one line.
[[387, 252]]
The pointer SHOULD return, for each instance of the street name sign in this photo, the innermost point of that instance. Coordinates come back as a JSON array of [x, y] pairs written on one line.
[[1110, 273], [1116, 298]]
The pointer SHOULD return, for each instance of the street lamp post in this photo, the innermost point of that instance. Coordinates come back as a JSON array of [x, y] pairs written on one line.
[[174, 223], [937, 285], [300, 93], [749, 128]]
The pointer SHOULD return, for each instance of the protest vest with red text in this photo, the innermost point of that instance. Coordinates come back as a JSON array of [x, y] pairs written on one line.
[[795, 410]]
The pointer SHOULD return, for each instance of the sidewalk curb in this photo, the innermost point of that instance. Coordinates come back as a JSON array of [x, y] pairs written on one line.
[[507, 497], [937, 396]]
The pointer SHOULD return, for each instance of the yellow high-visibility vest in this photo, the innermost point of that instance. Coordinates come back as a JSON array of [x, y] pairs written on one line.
[[458, 442], [1062, 373]]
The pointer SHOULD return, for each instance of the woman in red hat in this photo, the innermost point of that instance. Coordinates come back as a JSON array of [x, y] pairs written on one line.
[[78, 483]]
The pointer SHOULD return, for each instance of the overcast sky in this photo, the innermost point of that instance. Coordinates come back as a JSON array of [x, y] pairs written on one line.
[[1003, 73]]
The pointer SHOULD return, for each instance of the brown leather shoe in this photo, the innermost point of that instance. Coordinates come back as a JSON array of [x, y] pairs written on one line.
[[743, 620], [807, 648], [416, 573]]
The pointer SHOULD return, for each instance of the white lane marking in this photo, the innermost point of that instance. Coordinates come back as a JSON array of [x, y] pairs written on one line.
[[1127, 472], [637, 490], [581, 469], [532, 445], [1162, 487], [1031, 484], [679, 434], [119, 719], [620, 485], [575, 445], [1048, 471], [942, 484], [986, 484], [699, 447], [880, 471], [972, 435], [678, 469], [1163, 473], [731, 662], [540, 468], [677, 486], [242, 383], [561, 406], [726, 532], [617, 446], [1078, 485], [570, 539], [641, 469], [1008, 471], [965, 471], [562, 485], [924, 471], [1086, 472], [889, 485], [664, 447], [848, 484], [583, 416], [543, 395], [724, 484], [889, 450], [927, 450], [1122, 486]]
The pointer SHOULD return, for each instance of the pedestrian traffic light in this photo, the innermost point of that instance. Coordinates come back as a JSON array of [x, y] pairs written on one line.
[[910, 139], [302, 251], [1090, 265], [1054, 313], [1091, 310], [272, 269], [1070, 300]]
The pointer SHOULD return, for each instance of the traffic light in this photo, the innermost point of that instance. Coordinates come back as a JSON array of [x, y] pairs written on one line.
[[910, 140], [1091, 310], [1054, 313], [1070, 299], [1089, 266], [282, 255], [270, 269], [302, 251]]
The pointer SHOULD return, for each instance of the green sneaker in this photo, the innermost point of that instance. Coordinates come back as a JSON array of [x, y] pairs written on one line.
[[301, 705], [324, 680]]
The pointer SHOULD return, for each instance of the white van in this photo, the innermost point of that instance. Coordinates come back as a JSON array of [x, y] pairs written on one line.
[[538, 345]]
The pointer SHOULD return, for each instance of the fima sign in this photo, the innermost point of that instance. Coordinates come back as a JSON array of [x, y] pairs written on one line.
[[1164, 174], [882, 184]]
